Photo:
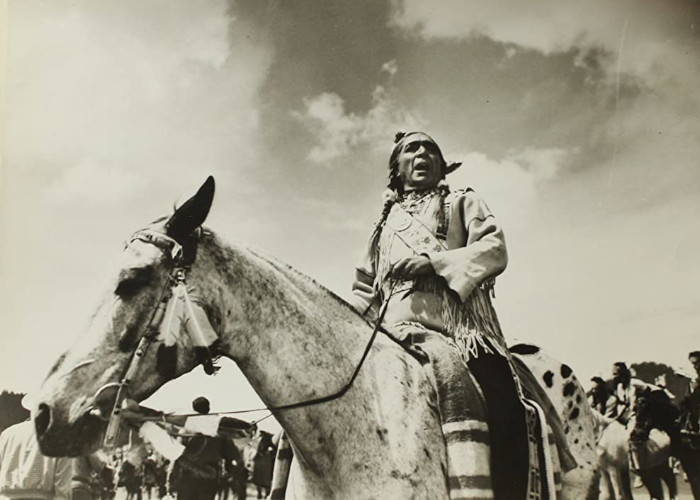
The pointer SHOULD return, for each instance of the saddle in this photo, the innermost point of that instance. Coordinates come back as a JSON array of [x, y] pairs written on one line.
[[462, 408], [533, 391]]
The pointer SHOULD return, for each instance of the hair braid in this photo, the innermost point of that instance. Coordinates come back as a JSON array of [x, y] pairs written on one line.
[[441, 209], [389, 201]]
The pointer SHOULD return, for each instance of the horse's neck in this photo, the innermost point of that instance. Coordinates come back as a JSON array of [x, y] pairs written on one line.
[[292, 339]]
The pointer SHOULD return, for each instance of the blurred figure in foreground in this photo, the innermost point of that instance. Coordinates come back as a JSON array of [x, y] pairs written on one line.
[[25, 473]]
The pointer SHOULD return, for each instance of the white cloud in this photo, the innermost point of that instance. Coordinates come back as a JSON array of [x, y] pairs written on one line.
[[338, 131], [543, 163], [150, 87], [501, 182], [391, 67]]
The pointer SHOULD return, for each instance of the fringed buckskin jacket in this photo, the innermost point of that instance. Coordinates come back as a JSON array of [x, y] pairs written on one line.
[[467, 250]]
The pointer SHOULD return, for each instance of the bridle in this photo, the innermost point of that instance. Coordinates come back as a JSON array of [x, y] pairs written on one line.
[[177, 276], [174, 250]]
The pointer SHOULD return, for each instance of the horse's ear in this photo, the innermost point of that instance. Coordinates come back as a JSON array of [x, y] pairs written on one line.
[[192, 213]]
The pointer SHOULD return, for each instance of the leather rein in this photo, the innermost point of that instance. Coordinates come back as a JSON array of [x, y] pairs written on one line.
[[177, 276]]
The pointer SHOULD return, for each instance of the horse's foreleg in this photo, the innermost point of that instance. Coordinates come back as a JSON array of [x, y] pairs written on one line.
[[651, 479], [691, 466], [623, 483], [606, 489], [669, 478]]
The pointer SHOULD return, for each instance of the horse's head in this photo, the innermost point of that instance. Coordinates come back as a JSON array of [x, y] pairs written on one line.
[[122, 346], [653, 409], [642, 421]]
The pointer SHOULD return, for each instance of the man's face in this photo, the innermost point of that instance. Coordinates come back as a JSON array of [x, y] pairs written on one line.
[[419, 163], [618, 374], [695, 361]]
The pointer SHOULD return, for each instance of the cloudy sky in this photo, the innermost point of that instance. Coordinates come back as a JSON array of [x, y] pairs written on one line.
[[578, 122]]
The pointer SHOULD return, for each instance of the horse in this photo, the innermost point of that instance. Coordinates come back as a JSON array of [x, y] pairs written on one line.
[[296, 343], [614, 461], [654, 410]]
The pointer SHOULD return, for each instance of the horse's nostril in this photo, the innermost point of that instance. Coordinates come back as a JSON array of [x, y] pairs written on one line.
[[42, 419]]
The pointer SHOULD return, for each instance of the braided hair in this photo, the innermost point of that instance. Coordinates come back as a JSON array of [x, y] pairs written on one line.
[[395, 190]]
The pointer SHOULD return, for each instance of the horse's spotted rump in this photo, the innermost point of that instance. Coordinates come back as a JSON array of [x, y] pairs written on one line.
[[569, 389], [569, 399], [524, 349]]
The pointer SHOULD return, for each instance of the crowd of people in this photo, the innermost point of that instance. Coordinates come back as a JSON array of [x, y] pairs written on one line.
[[678, 415], [211, 467], [615, 397]]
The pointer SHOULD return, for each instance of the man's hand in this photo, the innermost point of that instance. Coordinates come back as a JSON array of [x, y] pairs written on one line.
[[411, 267]]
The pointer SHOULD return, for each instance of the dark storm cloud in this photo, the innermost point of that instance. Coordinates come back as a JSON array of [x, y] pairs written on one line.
[[333, 46], [496, 100]]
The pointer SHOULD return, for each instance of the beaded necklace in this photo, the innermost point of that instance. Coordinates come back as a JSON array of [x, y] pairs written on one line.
[[413, 201]]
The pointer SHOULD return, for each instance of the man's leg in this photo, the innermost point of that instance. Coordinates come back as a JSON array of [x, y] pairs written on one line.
[[507, 426], [208, 489]]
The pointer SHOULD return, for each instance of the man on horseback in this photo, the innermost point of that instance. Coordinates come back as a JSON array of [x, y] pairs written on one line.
[[690, 404], [432, 260], [602, 398], [626, 390]]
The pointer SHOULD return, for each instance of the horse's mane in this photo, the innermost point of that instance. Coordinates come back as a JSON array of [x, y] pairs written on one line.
[[223, 251]]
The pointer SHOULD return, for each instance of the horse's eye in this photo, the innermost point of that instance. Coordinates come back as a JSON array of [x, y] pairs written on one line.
[[133, 280]]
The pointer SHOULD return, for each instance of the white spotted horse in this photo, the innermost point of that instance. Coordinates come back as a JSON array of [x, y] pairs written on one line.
[[618, 455], [569, 399], [293, 340]]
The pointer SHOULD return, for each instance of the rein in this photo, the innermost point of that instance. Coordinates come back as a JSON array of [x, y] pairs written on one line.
[[167, 295], [346, 387]]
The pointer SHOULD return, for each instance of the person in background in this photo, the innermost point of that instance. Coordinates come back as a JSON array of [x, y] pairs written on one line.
[[626, 389], [263, 462], [690, 404], [196, 473], [162, 477], [130, 479], [25, 473], [87, 476], [602, 398], [148, 472]]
